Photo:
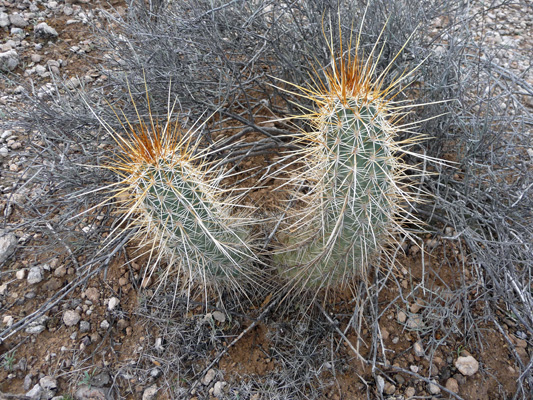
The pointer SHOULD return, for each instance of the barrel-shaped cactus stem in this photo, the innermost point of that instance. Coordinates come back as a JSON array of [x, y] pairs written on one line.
[[355, 178], [176, 200]]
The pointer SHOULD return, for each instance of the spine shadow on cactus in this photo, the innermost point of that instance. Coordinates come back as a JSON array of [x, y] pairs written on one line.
[[175, 196], [353, 170]]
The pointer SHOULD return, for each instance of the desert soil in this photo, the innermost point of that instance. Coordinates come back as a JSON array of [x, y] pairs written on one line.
[[99, 342]]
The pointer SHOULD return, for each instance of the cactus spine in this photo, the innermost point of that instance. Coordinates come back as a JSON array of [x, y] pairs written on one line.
[[354, 173]]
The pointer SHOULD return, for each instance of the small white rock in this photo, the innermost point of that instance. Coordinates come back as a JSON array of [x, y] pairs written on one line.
[[21, 274], [467, 365], [8, 320], [44, 30], [71, 318], [8, 243], [104, 325], [35, 329], [4, 20], [401, 317], [18, 20], [35, 275], [48, 383], [433, 388], [219, 316], [218, 390], [415, 322], [150, 392], [35, 393], [113, 303], [209, 376], [380, 383], [418, 349]]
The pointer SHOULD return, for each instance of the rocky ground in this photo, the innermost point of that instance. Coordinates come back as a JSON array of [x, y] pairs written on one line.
[[98, 343]]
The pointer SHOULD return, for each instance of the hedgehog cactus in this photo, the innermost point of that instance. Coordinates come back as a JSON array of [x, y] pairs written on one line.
[[352, 167], [184, 214]]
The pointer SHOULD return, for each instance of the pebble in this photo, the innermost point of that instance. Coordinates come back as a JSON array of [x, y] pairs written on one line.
[[18, 32], [384, 334], [380, 383], [71, 318], [4, 152], [27, 382], [43, 30], [467, 366], [35, 275], [35, 392], [415, 322], [209, 376], [8, 243], [433, 388], [452, 385], [399, 379], [93, 294], [389, 388], [18, 20], [60, 271], [418, 349], [90, 393], [8, 320], [104, 324], [36, 58], [3, 289], [113, 303], [122, 324], [410, 392], [150, 392], [73, 83], [4, 20], [218, 389], [35, 329], [401, 317], [219, 316], [48, 383], [416, 307], [21, 274], [101, 380], [85, 326]]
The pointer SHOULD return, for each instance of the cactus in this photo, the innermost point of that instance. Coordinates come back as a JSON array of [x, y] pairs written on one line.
[[351, 165], [175, 196]]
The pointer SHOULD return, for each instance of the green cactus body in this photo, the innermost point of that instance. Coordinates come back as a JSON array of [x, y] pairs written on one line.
[[181, 209], [351, 202]]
